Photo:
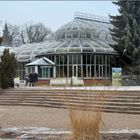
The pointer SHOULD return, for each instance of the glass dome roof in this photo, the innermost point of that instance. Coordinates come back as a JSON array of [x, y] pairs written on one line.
[[78, 36], [82, 36], [28, 52]]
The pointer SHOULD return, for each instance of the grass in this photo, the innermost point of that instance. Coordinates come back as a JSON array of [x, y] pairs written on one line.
[[85, 122], [85, 125]]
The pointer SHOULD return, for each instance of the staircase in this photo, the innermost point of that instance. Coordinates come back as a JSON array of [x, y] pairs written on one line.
[[127, 102]]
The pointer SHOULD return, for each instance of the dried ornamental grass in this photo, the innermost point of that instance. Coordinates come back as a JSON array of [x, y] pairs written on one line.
[[85, 125], [86, 120]]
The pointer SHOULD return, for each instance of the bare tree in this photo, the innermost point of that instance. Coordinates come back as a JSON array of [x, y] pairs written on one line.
[[22, 37], [9, 34], [34, 33]]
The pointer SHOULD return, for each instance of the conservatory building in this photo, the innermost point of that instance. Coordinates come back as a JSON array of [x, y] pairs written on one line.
[[81, 48]]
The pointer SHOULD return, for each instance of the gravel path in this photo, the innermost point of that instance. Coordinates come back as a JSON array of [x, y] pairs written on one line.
[[17, 116]]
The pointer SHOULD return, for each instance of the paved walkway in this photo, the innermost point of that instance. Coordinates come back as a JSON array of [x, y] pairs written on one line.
[[17, 116]]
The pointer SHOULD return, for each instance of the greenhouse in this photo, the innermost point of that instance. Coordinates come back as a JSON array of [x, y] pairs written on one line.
[[81, 48]]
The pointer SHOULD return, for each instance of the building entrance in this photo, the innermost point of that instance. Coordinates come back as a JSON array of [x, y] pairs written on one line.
[[75, 71]]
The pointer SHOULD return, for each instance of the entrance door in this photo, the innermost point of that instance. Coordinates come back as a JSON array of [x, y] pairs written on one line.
[[74, 71], [45, 72], [100, 70], [88, 70]]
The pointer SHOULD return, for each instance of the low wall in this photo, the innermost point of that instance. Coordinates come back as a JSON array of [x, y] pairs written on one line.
[[97, 82], [43, 82], [87, 82]]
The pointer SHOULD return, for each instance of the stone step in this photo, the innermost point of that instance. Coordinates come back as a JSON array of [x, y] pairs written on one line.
[[113, 110], [71, 95], [115, 100], [9, 101], [61, 101], [58, 102], [33, 96], [74, 92], [37, 97], [73, 106]]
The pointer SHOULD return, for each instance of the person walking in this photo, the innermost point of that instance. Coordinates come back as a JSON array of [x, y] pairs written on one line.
[[35, 78], [31, 77]]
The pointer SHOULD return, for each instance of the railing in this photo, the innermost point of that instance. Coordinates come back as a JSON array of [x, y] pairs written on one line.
[[80, 15], [131, 80]]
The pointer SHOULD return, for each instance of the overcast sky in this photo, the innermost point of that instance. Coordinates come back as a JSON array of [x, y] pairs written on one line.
[[52, 13]]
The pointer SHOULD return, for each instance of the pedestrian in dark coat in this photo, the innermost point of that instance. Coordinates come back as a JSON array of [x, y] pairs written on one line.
[[31, 77], [35, 78]]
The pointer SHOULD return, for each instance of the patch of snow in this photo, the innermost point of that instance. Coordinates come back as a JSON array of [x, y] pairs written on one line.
[[45, 130], [119, 131], [36, 130], [103, 88]]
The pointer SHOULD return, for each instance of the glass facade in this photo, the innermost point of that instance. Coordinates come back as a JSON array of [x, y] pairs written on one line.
[[82, 65], [20, 72], [45, 71], [80, 48]]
